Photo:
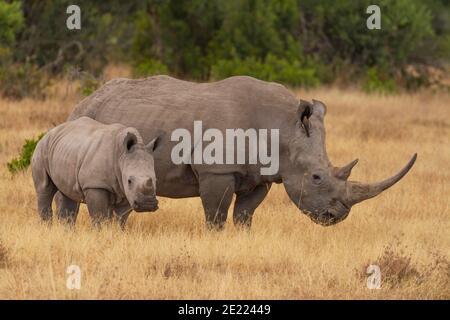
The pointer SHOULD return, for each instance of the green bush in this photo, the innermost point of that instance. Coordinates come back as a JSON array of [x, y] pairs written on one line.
[[378, 82], [296, 42], [150, 67], [271, 69], [89, 83], [23, 161], [18, 81], [283, 40], [11, 21]]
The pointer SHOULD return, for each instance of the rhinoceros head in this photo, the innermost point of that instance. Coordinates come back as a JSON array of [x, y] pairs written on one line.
[[319, 189], [138, 172]]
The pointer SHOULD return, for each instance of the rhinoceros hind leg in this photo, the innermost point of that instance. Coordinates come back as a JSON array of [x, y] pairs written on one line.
[[45, 191], [246, 203], [67, 209], [216, 192], [99, 205]]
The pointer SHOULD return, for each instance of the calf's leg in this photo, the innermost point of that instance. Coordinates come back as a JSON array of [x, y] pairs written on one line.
[[99, 205], [246, 203], [216, 192], [122, 213], [45, 191]]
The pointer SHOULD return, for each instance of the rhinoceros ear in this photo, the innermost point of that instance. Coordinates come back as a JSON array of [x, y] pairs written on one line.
[[129, 141], [152, 145], [304, 112], [319, 108]]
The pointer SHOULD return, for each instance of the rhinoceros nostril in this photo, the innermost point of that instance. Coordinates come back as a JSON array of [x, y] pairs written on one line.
[[317, 179], [329, 215]]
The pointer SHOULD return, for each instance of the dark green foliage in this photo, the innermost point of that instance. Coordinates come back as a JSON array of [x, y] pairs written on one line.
[[44, 47], [23, 161], [16, 80], [11, 21], [271, 69], [296, 42], [105, 28], [88, 83], [376, 82], [150, 67]]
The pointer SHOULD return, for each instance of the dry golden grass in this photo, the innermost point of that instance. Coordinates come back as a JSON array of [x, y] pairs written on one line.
[[169, 254]]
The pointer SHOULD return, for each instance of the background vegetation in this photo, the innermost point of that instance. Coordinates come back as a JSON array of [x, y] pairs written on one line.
[[295, 42]]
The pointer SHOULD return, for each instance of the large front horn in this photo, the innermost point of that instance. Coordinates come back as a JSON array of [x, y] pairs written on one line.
[[358, 192]]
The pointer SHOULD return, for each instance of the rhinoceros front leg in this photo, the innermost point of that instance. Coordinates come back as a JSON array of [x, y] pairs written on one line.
[[99, 205], [67, 209], [122, 212], [216, 192], [246, 203]]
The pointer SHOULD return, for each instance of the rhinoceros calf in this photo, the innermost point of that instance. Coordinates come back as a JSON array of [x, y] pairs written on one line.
[[319, 189], [106, 166]]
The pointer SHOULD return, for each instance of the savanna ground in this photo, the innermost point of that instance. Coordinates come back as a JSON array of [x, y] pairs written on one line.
[[170, 255]]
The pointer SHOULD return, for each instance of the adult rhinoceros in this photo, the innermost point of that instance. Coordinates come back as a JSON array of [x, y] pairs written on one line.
[[162, 103]]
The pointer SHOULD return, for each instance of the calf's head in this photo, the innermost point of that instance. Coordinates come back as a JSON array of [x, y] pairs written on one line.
[[319, 189], [138, 172]]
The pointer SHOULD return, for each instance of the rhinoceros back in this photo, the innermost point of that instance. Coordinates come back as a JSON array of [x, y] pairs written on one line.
[[167, 103]]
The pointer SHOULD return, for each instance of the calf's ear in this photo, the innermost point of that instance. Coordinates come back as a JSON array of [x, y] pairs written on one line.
[[129, 141], [152, 145]]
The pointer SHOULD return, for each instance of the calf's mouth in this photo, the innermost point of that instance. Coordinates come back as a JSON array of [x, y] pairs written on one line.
[[147, 204]]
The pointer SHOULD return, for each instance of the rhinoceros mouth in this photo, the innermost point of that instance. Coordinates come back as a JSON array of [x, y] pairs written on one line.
[[325, 219], [333, 215], [151, 208], [149, 205]]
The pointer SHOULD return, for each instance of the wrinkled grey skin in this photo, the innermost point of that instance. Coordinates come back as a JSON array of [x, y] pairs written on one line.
[[315, 186], [106, 166]]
